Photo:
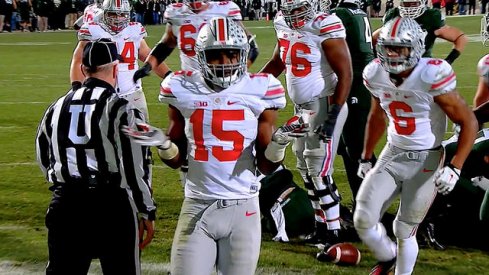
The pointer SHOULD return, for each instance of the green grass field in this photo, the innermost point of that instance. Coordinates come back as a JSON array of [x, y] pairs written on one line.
[[34, 71]]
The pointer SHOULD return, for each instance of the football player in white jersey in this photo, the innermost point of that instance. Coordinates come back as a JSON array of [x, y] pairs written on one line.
[[184, 21], [416, 95], [92, 13], [129, 37], [482, 94], [312, 49], [221, 117]]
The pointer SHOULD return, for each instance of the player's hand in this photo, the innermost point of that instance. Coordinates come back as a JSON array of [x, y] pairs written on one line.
[[364, 167], [144, 71], [147, 135], [295, 127], [325, 131], [446, 178], [149, 227]]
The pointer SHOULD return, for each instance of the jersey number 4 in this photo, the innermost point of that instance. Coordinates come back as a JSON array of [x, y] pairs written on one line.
[[218, 117], [128, 55]]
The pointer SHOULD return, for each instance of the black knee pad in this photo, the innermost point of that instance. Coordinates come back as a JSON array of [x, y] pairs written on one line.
[[330, 190]]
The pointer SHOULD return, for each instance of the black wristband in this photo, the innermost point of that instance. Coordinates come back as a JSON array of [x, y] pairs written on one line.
[[75, 85], [364, 160], [454, 54], [167, 74], [453, 168]]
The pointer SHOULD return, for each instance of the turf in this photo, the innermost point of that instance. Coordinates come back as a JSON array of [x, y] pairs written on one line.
[[34, 70]]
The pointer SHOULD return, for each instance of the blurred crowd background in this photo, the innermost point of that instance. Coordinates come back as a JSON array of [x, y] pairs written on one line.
[[51, 15]]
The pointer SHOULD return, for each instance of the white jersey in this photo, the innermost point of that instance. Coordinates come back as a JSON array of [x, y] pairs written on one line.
[[416, 122], [128, 42], [483, 68], [186, 24], [308, 73], [221, 129]]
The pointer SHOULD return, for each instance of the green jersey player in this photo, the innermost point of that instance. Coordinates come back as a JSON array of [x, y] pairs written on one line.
[[431, 21]]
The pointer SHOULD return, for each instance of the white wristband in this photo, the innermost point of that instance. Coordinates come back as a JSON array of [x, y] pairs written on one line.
[[167, 154], [275, 152]]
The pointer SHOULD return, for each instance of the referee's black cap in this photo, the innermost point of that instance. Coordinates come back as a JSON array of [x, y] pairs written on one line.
[[100, 52]]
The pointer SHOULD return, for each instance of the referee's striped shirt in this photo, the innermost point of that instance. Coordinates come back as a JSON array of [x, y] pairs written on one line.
[[80, 138]]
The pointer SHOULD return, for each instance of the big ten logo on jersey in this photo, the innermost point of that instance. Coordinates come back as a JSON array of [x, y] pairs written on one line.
[[188, 33], [200, 104]]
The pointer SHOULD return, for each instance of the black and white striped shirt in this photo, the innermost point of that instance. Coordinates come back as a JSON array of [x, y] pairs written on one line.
[[80, 138]]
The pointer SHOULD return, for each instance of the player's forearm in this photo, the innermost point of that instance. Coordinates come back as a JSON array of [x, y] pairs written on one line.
[[342, 90], [75, 71], [469, 127], [373, 133], [273, 67], [162, 70], [482, 113]]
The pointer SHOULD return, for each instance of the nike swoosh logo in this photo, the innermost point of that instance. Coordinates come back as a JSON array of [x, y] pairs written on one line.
[[427, 170], [136, 99], [232, 102], [250, 213]]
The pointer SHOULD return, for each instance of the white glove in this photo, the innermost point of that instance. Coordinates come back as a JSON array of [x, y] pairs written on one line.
[[296, 127], [363, 168], [147, 135], [481, 182], [446, 178]]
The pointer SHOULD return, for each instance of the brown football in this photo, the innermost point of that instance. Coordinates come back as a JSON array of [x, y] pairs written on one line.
[[344, 254]]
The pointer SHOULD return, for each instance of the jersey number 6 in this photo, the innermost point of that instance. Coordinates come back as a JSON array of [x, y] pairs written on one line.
[[217, 119], [404, 125]]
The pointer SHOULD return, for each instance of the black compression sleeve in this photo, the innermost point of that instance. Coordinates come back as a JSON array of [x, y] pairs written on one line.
[[161, 52]]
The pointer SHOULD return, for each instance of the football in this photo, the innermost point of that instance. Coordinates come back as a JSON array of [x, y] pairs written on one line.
[[341, 254]]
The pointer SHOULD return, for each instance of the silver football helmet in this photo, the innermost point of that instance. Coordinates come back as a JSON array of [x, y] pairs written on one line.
[[396, 35], [485, 30], [220, 35], [325, 5], [195, 5], [116, 14], [412, 8], [297, 13]]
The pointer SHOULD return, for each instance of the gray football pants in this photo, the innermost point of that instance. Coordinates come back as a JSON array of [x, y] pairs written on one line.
[[398, 172], [222, 235]]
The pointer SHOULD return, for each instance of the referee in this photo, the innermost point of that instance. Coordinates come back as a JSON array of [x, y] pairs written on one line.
[[97, 174]]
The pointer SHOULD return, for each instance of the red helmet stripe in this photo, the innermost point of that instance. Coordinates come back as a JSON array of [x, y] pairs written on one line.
[[221, 29], [118, 3], [395, 27]]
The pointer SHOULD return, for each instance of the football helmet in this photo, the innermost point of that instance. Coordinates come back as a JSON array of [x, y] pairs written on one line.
[[220, 35], [116, 14], [395, 36], [297, 12], [325, 5], [485, 30], [195, 5], [412, 8]]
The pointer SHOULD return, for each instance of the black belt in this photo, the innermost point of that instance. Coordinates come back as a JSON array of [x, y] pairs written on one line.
[[93, 181]]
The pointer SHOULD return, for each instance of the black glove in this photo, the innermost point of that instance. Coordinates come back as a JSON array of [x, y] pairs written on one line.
[[75, 85], [325, 130], [142, 72]]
